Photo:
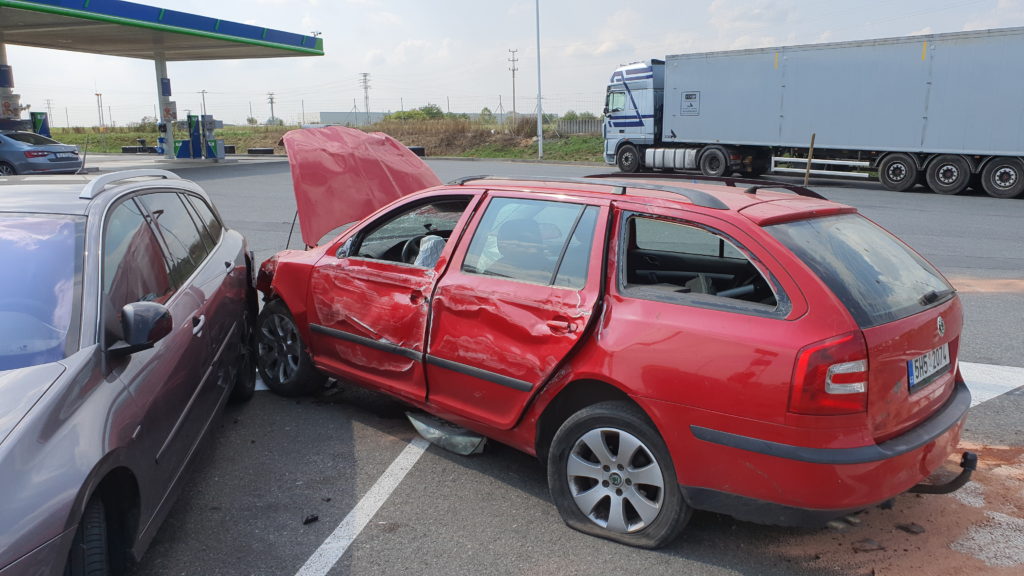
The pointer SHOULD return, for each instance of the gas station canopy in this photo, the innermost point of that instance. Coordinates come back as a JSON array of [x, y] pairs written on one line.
[[117, 28]]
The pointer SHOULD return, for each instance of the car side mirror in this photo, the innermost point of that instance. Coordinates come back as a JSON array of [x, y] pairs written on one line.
[[143, 324], [605, 111], [343, 252]]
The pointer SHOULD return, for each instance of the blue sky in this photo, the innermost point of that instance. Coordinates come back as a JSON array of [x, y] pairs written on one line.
[[454, 53]]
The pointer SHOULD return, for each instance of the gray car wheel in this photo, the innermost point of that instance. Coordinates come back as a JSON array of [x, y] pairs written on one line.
[[611, 476], [6, 169], [90, 552], [282, 360], [244, 385]]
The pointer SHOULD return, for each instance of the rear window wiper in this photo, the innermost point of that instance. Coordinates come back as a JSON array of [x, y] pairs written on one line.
[[933, 296]]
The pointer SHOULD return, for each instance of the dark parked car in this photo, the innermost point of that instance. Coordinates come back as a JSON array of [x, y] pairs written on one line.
[[663, 345], [30, 153], [126, 308]]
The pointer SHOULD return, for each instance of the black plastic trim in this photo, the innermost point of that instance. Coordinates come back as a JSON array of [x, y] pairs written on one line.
[[947, 417], [760, 511], [368, 342], [480, 373]]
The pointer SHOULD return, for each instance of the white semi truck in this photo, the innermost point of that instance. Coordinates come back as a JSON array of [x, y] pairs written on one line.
[[942, 110]]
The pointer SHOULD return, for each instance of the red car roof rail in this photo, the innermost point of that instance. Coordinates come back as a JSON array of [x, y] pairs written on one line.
[[752, 185], [697, 197]]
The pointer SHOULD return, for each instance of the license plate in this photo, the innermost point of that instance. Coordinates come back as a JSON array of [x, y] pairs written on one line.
[[928, 366], [65, 155]]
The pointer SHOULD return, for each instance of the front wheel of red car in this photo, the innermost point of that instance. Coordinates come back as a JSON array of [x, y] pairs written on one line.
[[611, 476], [282, 361]]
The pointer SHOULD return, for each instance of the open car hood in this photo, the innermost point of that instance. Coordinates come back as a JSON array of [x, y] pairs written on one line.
[[341, 175]]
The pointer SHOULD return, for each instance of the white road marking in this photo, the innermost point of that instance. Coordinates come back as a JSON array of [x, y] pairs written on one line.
[[334, 547], [987, 381], [259, 383]]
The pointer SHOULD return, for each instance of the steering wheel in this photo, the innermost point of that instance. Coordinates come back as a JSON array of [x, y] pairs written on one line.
[[411, 249]]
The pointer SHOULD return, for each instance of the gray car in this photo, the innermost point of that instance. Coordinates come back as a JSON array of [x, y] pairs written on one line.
[[126, 311], [30, 153]]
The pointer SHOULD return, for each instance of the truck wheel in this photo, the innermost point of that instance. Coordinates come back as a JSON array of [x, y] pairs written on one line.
[[948, 174], [1003, 178], [628, 159], [282, 360], [713, 163], [898, 172], [611, 476]]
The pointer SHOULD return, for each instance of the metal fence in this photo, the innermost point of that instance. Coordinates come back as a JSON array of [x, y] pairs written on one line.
[[579, 126]]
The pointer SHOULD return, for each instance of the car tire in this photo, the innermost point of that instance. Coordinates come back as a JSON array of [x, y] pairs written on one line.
[[282, 360], [244, 385], [628, 159], [948, 174], [90, 550], [898, 172], [596, 493], [1003, 177], [6, 169], [713, 163]]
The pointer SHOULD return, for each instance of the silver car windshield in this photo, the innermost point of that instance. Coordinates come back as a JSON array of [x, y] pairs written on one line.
[[41, 260]]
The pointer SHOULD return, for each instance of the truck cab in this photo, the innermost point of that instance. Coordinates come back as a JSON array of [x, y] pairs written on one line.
[[632, 113]]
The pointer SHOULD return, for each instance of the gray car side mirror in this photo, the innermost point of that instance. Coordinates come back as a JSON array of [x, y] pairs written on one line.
[[143, 324]]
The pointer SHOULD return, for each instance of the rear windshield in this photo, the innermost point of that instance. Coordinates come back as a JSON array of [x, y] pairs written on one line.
[[40, 288], [30, 138], [876, 276]]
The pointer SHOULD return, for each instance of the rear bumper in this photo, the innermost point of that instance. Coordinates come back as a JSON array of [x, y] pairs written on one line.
[[787, 484], [928, 431]]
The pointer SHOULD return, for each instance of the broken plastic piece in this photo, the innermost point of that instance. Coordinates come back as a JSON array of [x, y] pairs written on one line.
[[447, 435]]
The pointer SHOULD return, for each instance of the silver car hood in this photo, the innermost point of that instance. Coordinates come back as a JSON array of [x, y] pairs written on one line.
[[20, 389]]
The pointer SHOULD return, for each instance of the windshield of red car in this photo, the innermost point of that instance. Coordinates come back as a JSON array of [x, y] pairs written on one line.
[[40, 288]]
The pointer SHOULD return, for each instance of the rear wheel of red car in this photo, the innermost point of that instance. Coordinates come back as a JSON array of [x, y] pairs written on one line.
[[611, 476], [282, 360], [90, 552]]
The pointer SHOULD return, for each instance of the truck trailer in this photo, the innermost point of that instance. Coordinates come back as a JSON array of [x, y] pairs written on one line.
[[942, 110]]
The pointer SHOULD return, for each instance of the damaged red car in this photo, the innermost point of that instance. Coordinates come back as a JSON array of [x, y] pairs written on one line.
[[662, 344]]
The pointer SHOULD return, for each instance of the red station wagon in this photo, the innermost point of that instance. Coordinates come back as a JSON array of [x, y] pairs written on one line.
[[663, 344]]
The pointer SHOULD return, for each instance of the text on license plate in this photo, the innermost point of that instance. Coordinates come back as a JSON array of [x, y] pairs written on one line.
[[65, 155], [928, 366]]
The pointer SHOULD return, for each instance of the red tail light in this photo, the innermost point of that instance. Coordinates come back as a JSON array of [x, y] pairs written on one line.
[[831, 377], [35, 153]]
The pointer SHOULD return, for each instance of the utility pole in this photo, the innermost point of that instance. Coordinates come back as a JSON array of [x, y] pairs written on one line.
[[203, 92], [364, 81], [513, 60], [270, 98], [99, 107], [540, 106], [250, 112], [49, 109], [303, 111]]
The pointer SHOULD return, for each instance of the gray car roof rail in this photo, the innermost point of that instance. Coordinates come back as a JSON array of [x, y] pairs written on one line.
[[97, 185], [697, 197], [752, 185]]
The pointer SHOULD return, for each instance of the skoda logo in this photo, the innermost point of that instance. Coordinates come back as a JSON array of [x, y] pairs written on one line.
[[941, 325]]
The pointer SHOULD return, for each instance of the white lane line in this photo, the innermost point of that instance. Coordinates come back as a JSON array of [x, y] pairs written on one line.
[[259, 383], [334, 547], [987, 381]]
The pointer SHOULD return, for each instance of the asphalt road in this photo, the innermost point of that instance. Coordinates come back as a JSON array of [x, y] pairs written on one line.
[[273, 464]]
